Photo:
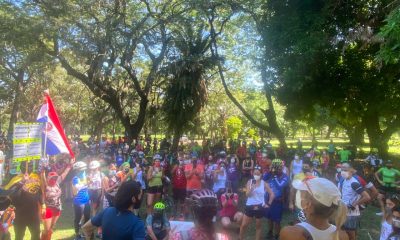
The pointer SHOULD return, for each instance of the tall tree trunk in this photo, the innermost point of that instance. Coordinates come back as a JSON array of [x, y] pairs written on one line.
[[330, 130], [355, 134], [19, 91], [376, 137], [175, 140]]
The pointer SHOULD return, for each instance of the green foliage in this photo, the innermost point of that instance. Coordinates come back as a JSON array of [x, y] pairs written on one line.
[[234, 125], [252, 134], [390, 49]]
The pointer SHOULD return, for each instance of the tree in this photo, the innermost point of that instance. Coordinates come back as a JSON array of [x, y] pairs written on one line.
[[186, 92], [234, 126], [115, 48]]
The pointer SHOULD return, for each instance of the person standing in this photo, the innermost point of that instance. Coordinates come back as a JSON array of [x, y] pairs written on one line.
[[390, 176], [344, 155], [154, 178], [331, 150], [320, 200], [353, 195], [387, 207], [179, 188], [296, 166], [81, 196], [233, 173], [247, 167], [255, 203]]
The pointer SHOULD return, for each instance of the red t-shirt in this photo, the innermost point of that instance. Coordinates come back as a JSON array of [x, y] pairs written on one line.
[[229, 210], [193, 183], [179, 178]]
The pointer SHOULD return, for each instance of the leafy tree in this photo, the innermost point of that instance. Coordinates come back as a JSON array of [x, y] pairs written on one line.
[[186, 92], [234, 125]]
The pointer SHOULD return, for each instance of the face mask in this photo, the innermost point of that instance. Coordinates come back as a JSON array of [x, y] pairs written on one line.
[[180, 162], [112, 173], [298, 200], [126, 170], [52, 182], [157, 164], [257, 177], [338, 170], [296, 157], [345, 174], [232, 160]]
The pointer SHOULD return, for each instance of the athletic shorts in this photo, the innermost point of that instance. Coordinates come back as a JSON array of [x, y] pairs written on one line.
[[256, 211], [51, 212], [155, 189], [352, 223], [179, 194], [274, 212]]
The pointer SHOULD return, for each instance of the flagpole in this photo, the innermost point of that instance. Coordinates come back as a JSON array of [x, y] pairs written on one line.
[[45, 140]]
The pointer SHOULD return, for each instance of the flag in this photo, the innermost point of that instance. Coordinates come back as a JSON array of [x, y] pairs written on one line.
[[57, 142]]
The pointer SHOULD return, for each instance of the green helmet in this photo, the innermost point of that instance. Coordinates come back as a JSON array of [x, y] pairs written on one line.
[[159, 206]]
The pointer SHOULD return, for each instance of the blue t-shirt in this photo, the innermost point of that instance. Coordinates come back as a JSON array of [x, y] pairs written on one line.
[[119, 225], [80, 184], [119, 160]]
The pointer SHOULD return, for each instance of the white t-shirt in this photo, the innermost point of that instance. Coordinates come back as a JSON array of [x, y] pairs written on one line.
[[316, 234], [256, 197], [386, 230]]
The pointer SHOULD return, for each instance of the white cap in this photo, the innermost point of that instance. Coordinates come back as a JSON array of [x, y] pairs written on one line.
[[321, 189]]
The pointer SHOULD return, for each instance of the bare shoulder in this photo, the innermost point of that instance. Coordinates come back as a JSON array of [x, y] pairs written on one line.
[[291, 233]]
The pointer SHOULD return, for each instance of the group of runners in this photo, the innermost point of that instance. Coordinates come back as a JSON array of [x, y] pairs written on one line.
[[324, 191]]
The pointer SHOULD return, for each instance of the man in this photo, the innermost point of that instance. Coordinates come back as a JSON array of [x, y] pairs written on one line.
[[353, 195], [344, 155], [120, 222], [389, 179], [331, 150]]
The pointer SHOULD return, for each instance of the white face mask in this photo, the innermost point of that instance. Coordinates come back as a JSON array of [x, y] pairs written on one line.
[[338, 170], [232, 160], [257, 177], [296, 157], [298, 200], [345, 174], [396, 223]]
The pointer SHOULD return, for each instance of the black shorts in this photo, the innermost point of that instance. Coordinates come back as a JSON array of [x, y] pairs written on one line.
[[256, 211], [179, 194], [95, 195], [155, 189]]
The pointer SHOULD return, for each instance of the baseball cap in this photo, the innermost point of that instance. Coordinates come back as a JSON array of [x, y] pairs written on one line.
[[321, 189]]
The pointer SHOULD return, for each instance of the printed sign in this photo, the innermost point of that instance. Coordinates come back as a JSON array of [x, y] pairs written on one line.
[[27, 141]]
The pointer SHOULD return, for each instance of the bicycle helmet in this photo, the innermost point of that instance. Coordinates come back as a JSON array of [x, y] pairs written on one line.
[[81, 166], [277, 162], [157, 157], [94, 164], [222, 154], [141, 154], [159, 206], [203, 199]]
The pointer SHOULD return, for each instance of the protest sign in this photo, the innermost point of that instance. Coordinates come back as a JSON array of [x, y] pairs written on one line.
[[27, 141]]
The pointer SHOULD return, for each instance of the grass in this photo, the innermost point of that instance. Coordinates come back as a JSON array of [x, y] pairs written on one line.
[[370, 225]]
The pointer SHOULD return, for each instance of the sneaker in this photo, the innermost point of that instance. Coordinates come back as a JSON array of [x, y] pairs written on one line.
[[379, 214]]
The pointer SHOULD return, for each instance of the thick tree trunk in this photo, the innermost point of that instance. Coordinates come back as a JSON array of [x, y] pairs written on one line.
[[356, 134], [330, 130], [376, 137], [135, 128]]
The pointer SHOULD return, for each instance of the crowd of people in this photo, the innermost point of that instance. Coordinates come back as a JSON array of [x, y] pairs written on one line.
[[220, 187]]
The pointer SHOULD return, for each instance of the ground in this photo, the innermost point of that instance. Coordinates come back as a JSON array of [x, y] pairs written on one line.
[[370, 225]]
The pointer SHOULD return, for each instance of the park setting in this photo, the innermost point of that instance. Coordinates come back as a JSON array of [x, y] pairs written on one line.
[[200, 119]]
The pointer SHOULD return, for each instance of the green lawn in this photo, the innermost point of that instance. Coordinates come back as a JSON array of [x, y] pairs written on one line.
[[370, 225]]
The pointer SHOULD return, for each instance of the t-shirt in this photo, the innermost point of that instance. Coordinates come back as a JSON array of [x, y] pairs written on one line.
[[277, 184], [331, 148], [119, 225], [26, 206], [80, 190], [179, 178], [119, 160], [351, 190], [344, 155], [157, 224], [193, 182], [232, 172], [389, 175]]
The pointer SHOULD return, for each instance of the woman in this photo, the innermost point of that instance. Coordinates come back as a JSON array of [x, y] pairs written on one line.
[[95, 178], [110, 185], [52, 200], [247, 167], [219, 180], [81, 196], [233, 173], [154, 178], [193, 178], [229, 213], [255, 203], [320, 200], [392, 202], [203, 205], [296, 166]]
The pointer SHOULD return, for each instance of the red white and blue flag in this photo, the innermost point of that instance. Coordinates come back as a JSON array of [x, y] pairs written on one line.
[[57, 142]]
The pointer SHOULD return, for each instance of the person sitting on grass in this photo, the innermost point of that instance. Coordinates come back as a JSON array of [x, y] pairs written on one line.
[[157, 224]]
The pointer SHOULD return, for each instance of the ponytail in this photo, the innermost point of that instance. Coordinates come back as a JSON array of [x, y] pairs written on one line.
[[340, 217]]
